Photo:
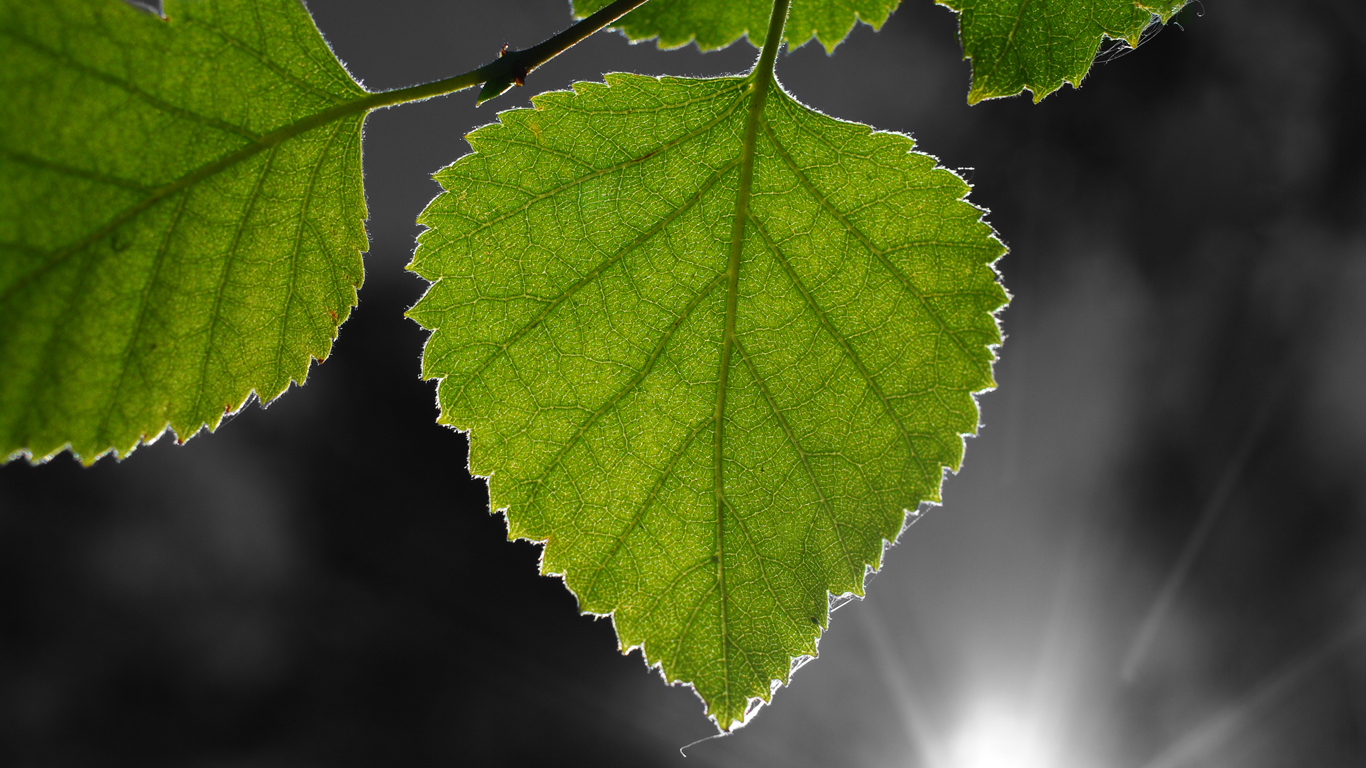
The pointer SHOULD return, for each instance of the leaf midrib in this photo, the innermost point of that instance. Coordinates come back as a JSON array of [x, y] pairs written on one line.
[[761, 79]]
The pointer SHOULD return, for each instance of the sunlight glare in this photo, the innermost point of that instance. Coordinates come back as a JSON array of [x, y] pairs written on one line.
[[995, 738]]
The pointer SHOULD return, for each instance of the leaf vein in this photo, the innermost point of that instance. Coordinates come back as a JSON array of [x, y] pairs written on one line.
[[867, 242], [601, 172], [664, 474], [261, 57], [843, 343], [215, 315], [81, 173], [592, 275], [806, 467], [129, 88], [295, 255], [143, 303], [616, 397]]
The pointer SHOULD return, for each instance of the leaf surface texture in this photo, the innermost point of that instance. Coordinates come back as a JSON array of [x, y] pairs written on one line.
[[164, 250], [579, 312]]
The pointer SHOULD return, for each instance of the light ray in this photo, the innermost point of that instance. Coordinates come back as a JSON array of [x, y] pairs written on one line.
[[1196, 746]]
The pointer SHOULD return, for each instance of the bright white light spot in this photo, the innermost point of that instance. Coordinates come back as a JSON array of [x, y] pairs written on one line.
[[996, 738]]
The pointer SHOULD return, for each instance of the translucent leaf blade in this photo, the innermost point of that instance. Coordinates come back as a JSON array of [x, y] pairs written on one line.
[[578, 260], [716, 24], [1038, 45], [160, 260]]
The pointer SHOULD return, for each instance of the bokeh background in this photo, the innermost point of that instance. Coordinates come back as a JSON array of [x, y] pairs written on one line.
[[1155, 555]]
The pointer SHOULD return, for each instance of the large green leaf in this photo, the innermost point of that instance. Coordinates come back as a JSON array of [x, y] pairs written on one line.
[[707, 455], [1038, 45], [180, 215], [718, 23]]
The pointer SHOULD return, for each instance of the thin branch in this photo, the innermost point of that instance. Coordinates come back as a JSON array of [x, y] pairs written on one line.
[[511, 67]]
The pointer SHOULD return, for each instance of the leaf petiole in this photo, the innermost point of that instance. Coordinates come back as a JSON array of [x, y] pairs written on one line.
[[511, 67]]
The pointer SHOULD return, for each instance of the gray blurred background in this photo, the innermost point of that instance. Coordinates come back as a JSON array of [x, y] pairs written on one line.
[[1154, 557]]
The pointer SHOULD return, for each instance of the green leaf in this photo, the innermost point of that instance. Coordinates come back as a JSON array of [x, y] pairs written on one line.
[[1038, 45], [707, 455], [180, 215], [718, 23]]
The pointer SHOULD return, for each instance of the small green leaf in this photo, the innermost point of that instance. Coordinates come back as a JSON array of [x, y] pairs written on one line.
[[718, 23], [1038, 45], [707, 455], [180, 215]]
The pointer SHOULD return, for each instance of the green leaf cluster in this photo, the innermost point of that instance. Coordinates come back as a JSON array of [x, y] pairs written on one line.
[[709, 344]]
